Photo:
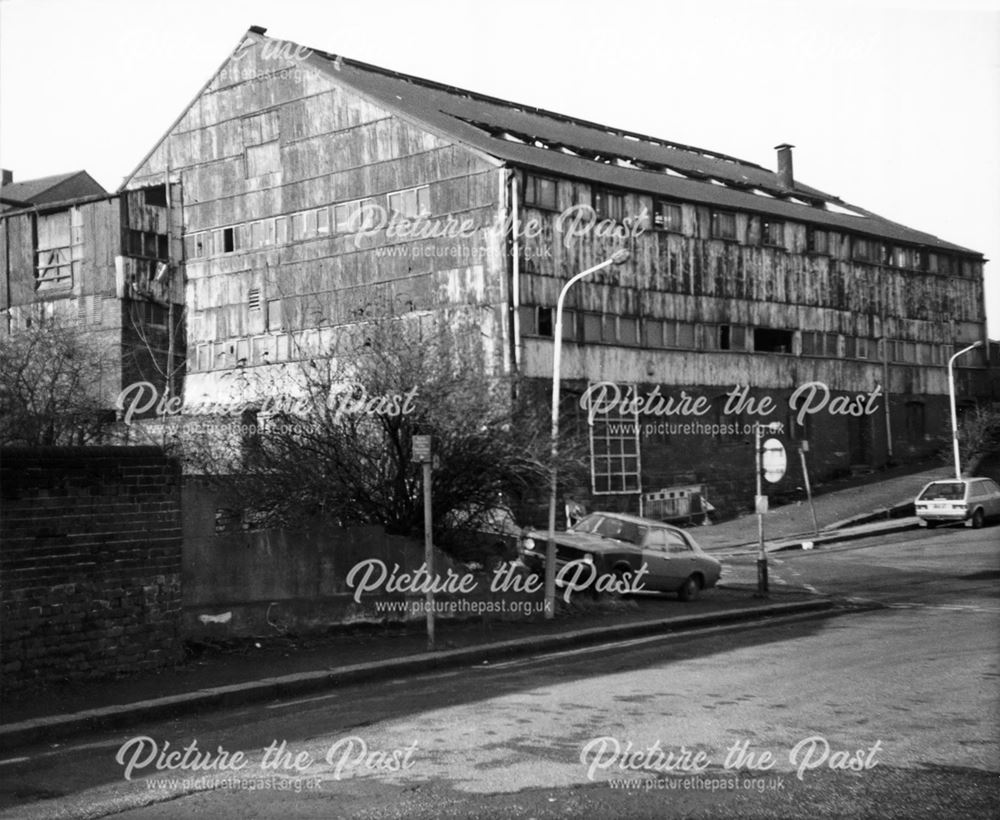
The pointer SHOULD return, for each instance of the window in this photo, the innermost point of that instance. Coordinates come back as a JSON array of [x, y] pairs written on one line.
[[768, 340], [862, 249], [263, 159], [772, 233], [351, 216], [667, 216], [609, 205], [411, 203], [146, 244], [281, 230], [593, 327], [723, 225], [652, 333], [544, 321], [540, 192], [274, 317], [228, 240], [323, 220], [156, 196], [60, 250], [817, 241]]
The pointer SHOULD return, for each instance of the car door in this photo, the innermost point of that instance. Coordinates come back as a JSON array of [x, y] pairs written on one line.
[[657, 560], [682, 558]]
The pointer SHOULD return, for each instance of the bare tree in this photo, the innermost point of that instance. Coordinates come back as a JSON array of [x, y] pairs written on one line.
[[342, 445], [50, 387]]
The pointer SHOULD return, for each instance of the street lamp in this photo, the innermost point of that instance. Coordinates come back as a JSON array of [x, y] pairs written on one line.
[[617, 258], [954, 415]]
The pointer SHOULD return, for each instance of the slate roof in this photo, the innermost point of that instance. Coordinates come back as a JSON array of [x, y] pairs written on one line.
[[44, 190], [558, 144]]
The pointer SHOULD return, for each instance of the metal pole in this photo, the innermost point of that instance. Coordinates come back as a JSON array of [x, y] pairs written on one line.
[[617, 258], [428, 553], [805, 472], [954, 413], [762, 585]]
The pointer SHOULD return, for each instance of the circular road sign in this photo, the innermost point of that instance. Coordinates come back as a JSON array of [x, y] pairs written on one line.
[[774, 460]]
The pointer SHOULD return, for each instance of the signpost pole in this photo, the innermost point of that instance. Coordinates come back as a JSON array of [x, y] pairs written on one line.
[[422, 453], [760, 503]]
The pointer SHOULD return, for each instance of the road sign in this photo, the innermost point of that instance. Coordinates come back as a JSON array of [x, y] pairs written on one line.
[[422, 448], [774, 460]]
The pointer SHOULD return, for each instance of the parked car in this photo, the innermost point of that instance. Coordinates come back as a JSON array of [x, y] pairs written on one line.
[[621, 545], [974, 500], [487, 540]]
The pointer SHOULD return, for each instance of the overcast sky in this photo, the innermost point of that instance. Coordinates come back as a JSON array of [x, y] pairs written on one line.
[[894, 106]]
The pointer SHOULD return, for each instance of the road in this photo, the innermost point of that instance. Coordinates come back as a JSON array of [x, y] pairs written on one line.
[[888, 712]]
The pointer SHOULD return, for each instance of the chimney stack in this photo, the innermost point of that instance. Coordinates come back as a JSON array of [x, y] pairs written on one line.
[[7, 176], [785, 176]]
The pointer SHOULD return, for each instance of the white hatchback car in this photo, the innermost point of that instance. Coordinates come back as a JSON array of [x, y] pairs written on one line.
[[974, 500]]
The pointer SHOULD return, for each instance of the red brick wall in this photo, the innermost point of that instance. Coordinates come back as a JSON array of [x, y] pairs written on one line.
[[90, 562]]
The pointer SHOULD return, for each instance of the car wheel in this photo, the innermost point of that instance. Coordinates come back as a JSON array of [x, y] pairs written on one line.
[[690, 588], [977, 519], [623, 576]]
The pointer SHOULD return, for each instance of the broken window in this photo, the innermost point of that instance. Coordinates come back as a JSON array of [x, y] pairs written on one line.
[[540, 192], [723, 225], [544, 321], [667, 216], [769, 340], [60, 249], [156, 196]]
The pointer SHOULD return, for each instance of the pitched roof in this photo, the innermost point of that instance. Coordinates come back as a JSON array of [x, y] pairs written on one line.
[[558, 144], [56, 188]]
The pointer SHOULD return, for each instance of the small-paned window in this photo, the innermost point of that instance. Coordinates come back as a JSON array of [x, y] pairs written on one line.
[[353, 216], [817, 241], [59, 250], [769, 340]]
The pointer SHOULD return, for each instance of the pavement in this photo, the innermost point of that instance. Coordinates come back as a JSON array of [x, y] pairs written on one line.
[[221, 675]]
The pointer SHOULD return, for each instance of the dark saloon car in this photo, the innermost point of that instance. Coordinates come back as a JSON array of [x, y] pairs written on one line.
[[653, 555]]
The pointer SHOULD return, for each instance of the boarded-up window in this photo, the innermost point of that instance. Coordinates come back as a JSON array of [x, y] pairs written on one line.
[[263, 159], [274, 316], [60, 249]]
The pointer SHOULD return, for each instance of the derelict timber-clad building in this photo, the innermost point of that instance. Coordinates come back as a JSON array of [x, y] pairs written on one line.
[[738, 276], [106, 264]]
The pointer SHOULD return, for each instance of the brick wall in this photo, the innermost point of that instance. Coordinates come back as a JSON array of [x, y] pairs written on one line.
[[90, 562]]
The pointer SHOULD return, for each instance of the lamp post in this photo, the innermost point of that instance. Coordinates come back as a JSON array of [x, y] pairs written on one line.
[[617, 258], [954, 415]]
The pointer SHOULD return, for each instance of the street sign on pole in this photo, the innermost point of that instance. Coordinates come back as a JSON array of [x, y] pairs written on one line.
[[774, 460], [422, 449]]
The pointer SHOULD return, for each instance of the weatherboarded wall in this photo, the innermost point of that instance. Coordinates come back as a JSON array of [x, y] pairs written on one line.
[[90, 562]]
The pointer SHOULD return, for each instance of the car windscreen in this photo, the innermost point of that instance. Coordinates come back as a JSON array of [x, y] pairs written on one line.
[[609, 527], [944, 490]]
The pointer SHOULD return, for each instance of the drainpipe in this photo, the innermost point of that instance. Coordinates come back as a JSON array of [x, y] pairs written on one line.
[[515, 270]]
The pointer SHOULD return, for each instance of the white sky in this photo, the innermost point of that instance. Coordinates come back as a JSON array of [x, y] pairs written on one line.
[[894, 106]]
